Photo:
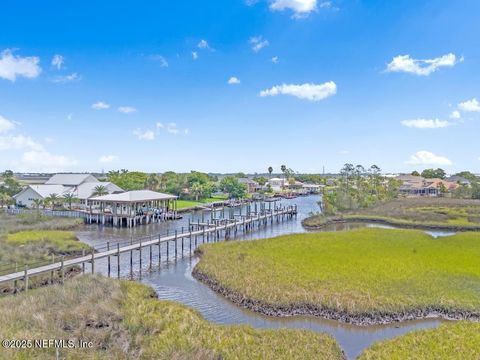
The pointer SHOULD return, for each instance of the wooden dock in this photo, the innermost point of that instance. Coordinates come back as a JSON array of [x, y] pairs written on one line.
[[209, 231]]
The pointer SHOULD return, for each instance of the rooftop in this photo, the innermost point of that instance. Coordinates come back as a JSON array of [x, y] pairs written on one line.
[[134, 196]]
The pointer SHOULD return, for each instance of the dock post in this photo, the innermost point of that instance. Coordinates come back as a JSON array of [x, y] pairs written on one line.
[[25, 278], [176, 243], [216, 233], [108, 259], [83, 263], [118, 260], [151, 259], [62, 269], [190, 243], [182, 242], [131, 264], [93, 261], [52, 273], [140, 259], [159, 250], [203, 240]]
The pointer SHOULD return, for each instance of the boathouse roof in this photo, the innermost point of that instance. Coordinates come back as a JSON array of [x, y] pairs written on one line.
[[134, 196]]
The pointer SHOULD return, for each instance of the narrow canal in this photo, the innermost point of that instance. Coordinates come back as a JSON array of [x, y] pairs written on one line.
[[173, 281]]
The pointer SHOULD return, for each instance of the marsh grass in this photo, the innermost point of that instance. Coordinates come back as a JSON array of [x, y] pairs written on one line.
[[448, 342], [426, 212], [125, 320], [367, 272]]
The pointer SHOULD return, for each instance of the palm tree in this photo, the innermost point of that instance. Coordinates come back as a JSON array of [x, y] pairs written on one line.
[[69, 199], [283, 168], [152, 182], [52, 199], [270, 170], [37, 203], [196, 190], [100, 190]]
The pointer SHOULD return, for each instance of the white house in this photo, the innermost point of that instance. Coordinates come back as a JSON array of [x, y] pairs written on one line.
[[277, 184], [82, 186]]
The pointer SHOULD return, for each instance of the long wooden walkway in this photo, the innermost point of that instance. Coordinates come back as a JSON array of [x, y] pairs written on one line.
[[205, 230]]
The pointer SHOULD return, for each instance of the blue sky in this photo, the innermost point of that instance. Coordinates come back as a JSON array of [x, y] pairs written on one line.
[[239, 85]]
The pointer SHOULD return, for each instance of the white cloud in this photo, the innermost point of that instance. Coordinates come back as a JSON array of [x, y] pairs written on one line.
[[258, 43], [147, 135], [12, 66], [186, 131], [66, 78], [299, 7], [311, 92], [404, 63], [203, 44], [172, 128], [127, 109], [234, 80], [428, 158], [159, 125], [470, 105], [6, 125], [426, 123], [455, 115], [42, 160], [58, 61], [107, 159], [19, 142], [194, 55], [275, 59], [100, 105], [160, 59]]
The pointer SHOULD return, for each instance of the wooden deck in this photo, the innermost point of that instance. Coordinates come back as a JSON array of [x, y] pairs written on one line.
[[216, 227]]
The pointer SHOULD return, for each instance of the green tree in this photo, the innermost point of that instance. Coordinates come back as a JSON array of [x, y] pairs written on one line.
[[99, 190], [434, 173], [233, 187], [10, 185], [134, 180], [70, 198], [270, 170], [415, 173], [5, 199], [53, 199]]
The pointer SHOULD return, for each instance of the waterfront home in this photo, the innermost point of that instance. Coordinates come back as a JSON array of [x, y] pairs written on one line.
[[459, 180], [81, 186], [252, 186], [277, 184], [420, 186]]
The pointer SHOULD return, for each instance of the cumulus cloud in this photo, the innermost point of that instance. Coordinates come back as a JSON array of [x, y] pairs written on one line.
[[172, 128], [13, 66], [126, 109], [404, 63], [470, 105], [194, 55], [234, 80], [147, 135], [428, 158], [100, 105], [6, 125], [160, 59], [107, 159], [42, 160], [275, 59], [426, 123], [258, 43], [203, 44], [66, 78], [311, 92], [57, 61], [19, 142], [455, 115], [299, 7]]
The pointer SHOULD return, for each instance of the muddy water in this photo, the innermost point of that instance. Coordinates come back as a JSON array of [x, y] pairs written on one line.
[[173, 281]]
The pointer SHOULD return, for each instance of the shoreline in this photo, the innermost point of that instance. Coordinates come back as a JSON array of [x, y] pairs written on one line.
[[391, 222], [330, 314]]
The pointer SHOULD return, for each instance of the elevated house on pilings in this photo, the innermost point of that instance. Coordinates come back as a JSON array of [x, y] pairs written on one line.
[[133, 208]]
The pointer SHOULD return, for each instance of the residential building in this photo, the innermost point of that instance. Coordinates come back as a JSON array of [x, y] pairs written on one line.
[[419, 186], [252, 186]]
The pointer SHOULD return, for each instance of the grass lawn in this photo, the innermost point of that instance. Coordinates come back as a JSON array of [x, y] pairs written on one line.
[[125, 321], [367, 273], [183, 204], [448, 342], [426, 212]]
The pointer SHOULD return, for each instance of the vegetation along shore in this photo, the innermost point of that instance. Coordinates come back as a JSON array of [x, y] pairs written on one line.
[[365, 276], [125, 320]]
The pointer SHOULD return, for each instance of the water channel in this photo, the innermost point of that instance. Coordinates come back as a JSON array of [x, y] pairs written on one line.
[[173, 280]]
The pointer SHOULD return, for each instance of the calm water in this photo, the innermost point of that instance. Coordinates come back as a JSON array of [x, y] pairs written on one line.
[[173, 280]]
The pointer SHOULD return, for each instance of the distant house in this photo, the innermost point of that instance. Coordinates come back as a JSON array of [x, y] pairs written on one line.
[[420, 186], [459, 180], [81, 186], [311, 188], [277, 184], [252, 186]]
